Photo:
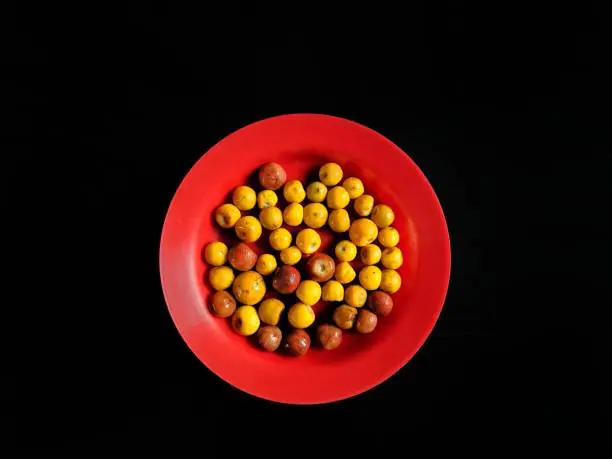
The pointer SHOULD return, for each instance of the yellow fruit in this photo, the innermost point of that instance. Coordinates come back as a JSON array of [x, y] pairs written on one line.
[[301, 315], [355, 295], [391, 281], [244, 197], [370, 254], [388, 237], [316, 192], [363, 231], [290, 255], [315, 215], [370, 277], [294, 191], [382, 215], [354, 186], [344, 316], [266, 264], [245, 320], [249, 287], [345, 251], [271, 218], [216, 253], [344, 273], [339, 220], [337, 198], [309, 292], [280, 239], [293, 214], [332, 291], [266, 198], [227, 215], [248, 229], [270, 311], [364, 204], [308, 241], [221, 277], [330, 174], [392, 258]]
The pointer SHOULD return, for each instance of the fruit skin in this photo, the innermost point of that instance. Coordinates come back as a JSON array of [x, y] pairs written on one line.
[[266, 198], [355, 296], [362, 232], [315, 215], [330, 174], [242, 257], [244, 197], [364, 204], [370, 254], [271, 218], [301, 315], [392, 258], [270, 311], [293, 214], [297, 343], [248, 229], [339, 220], [291, 255], [308, 241], [223, 303], [269, 337], [353, 186], [344, 316], [227, 215], [380, 303], [266, 264], [332, 291], [249, 288], [344, 273], [215, 253], [370, 277], [280, 239], [316, 192], [388, 237], [309, 292], [245, 320], [272, 176], [337, 198], [286, 279], [382, 215], [366, 321], [221, 277], [321, 267], [391, 281], [329, 337], [293, 191], [345, 251]]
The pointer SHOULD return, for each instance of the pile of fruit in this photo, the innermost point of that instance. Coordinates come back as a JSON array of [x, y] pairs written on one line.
[[305, 276]]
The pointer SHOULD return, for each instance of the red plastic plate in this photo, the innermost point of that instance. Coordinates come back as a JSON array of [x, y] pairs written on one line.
[[302, 143]]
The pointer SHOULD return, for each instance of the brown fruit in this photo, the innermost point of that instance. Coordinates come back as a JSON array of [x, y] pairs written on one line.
[[242, 257], [272, 176], [297, 342], [329, 336], [344, 316], [366, 321], [286, 279], [380, 302], [223, 303], [321, 267], [269, 337]]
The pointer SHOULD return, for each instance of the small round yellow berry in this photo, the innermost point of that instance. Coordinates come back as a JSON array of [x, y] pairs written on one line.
[[293, 214], [301, 315], [309, 292], [244, 197], [332, 291], [388, 237], [221, 277], [370, 277], [294, 191], [392, 258], [216, 253], [339, 220], [315, 215], [271, 218], [266, 264], [280, 239], [330, 174], [391, 281], [382, 215], [266, 198], [290, 255], [354, 186], [364, 204], [337, 198], [227, 215], [316, 192], [248, 228], [370, 254], [308, 241], [345, 251], [344, 273]]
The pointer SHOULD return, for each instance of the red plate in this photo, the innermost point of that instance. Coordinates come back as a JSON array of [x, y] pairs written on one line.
[[302, 143]]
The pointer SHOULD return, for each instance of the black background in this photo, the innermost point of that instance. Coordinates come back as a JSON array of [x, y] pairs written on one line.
[[502, 107]]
